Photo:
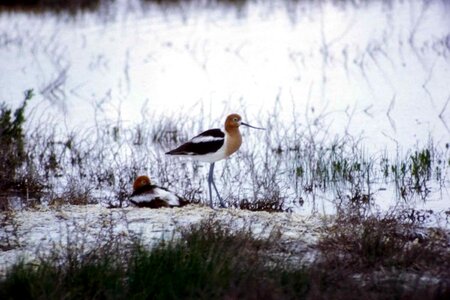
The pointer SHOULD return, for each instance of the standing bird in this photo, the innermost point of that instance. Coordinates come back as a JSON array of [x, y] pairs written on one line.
[[146, 194], [213, 145]]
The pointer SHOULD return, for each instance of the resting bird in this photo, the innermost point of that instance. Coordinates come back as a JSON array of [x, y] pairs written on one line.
[[146, 194]]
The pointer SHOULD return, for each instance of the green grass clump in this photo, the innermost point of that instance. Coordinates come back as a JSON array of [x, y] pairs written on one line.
[[12, 139], [100, 279], [16, 178], [209, 262]]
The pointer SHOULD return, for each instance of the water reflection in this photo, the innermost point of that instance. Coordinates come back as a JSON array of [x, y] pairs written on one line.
[[375, 64]]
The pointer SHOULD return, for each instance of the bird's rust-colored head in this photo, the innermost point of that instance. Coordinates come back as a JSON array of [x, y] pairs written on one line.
[[141, 181], [233, 121]]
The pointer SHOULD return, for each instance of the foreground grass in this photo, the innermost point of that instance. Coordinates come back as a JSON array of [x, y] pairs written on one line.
[[211, 261], [384, 256]]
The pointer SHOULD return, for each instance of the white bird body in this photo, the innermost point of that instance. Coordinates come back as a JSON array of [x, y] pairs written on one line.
[[214, 145]]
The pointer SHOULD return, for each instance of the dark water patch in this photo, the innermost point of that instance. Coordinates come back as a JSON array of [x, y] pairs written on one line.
[[53, 6]]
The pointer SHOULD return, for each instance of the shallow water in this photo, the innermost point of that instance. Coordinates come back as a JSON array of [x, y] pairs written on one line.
[[377, 71], [378, 64]]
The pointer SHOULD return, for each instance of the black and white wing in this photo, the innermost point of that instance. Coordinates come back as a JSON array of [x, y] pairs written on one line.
[[206, 142]]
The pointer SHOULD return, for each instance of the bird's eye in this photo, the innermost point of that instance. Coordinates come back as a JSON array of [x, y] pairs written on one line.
[[235, 119]]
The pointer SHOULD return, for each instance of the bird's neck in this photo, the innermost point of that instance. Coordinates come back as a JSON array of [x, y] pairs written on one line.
[[233, 140]]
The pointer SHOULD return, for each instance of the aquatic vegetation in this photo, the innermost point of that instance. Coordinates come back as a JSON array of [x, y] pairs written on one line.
[[78, 167]]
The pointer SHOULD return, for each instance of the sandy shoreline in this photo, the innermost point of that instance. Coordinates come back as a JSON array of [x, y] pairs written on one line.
[[41, 230]]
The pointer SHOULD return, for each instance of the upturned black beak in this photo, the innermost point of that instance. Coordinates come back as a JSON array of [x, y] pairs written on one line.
[[242, 123]]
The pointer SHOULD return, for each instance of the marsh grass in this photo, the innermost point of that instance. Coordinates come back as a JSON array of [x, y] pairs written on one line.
[[221, 261], [209, 261], [99, 164], [279, 170], [345, 167], [377, 242], [387, 255], [16, 176]]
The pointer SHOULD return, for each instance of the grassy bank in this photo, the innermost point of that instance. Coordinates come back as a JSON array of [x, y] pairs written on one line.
[[212, 260]]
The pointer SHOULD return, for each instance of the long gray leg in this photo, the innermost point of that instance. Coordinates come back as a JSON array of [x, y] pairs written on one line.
[[211, 180]]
